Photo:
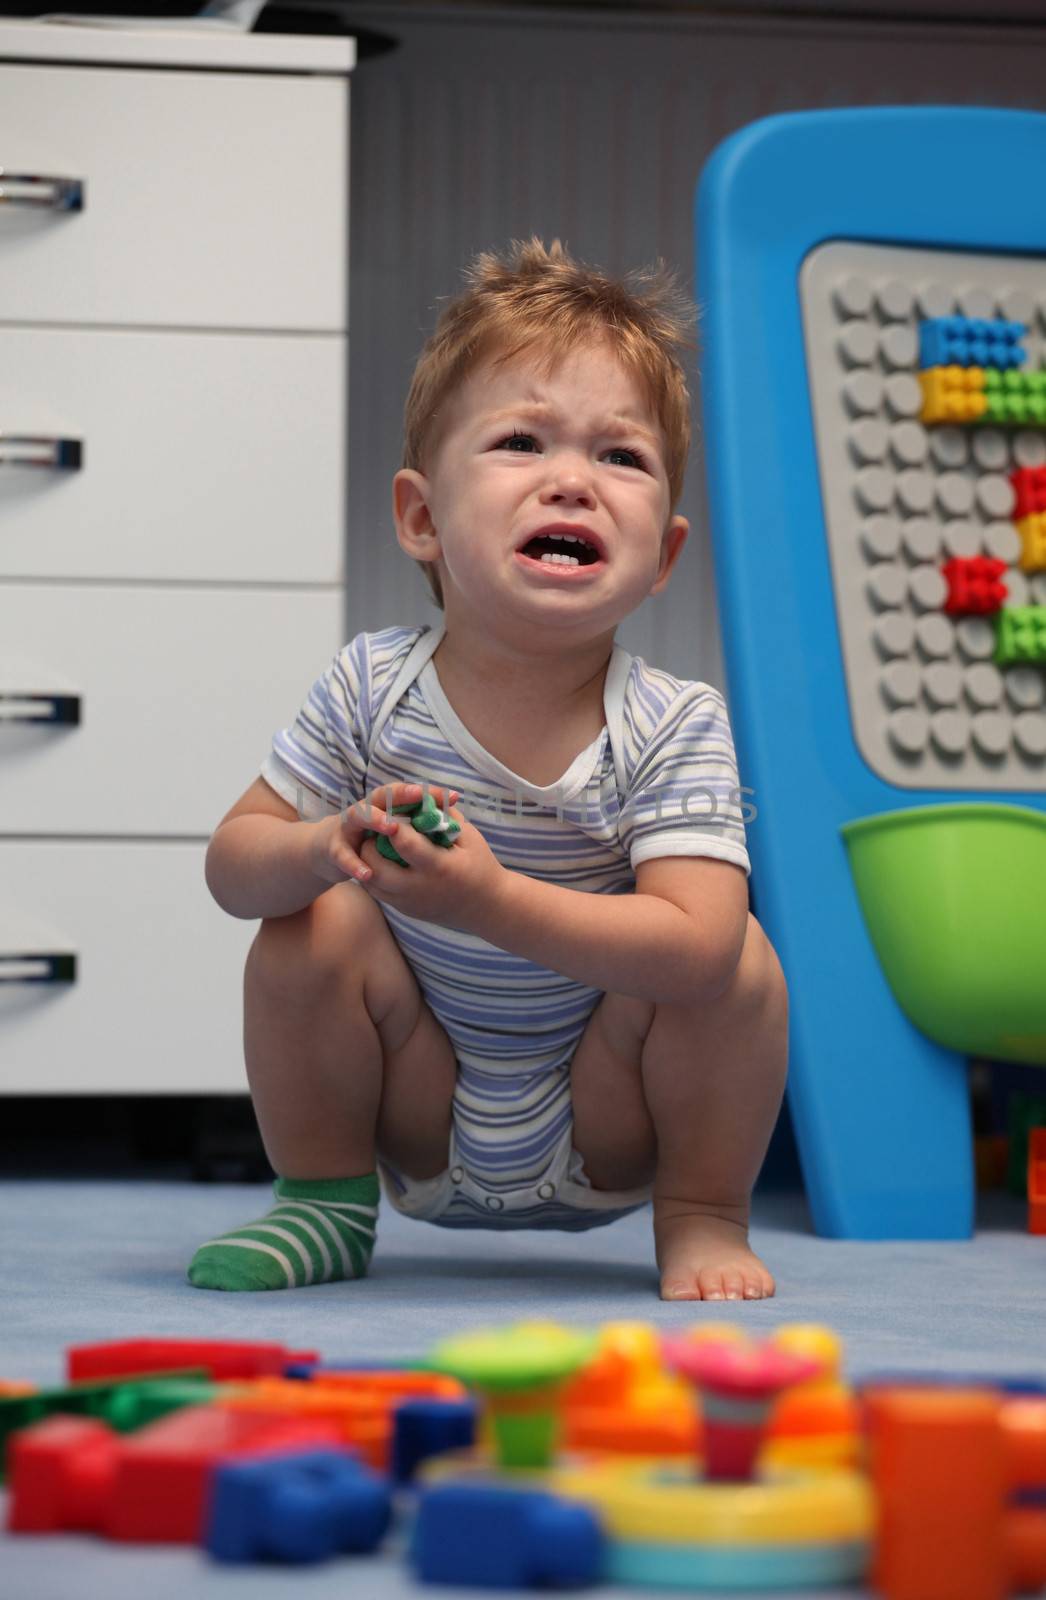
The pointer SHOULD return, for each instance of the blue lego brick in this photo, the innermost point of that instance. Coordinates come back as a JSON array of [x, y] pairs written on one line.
[[299, 1507], [424, 1428], [743, 1566], [971, 342], [504, 1538]]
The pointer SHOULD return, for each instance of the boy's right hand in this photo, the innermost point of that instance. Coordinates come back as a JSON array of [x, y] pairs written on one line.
[[337, 840]]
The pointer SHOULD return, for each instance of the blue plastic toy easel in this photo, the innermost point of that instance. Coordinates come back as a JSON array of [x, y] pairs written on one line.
[[881, 1112]]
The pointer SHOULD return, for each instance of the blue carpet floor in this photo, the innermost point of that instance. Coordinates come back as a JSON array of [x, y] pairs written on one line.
[[85, 1261]]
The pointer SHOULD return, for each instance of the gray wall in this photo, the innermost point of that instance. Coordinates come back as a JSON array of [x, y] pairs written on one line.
[[484, 126]]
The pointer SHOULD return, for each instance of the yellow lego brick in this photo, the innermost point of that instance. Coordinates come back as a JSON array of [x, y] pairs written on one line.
[[1033, 541], [952, 394], [672, 1507]]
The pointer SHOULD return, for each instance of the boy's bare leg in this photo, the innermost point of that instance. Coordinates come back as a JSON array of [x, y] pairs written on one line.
[[343, 1055], [702, 1106]]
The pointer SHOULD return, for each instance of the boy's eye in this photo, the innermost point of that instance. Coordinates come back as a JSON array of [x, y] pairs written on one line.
[[617, 449]]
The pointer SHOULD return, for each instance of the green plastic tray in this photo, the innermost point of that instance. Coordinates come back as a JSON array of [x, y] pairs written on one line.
[[954, 898]]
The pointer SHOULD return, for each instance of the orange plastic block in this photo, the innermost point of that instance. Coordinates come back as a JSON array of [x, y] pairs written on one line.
[[820, 1408], [632, 1431], [223, 1359], [1037, 1180], [10, 1387], [938, 1464], [361, 1409]]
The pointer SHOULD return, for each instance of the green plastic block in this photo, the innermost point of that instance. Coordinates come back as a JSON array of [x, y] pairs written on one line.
[[425, 817], [1020, 635]]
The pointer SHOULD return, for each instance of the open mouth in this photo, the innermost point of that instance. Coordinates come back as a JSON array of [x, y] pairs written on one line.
[[550, 550]]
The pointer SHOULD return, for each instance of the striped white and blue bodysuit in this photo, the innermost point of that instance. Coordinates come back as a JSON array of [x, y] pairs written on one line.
[[660, 780]]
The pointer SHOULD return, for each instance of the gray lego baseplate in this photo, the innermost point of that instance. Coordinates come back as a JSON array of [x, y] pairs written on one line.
[[929, 706]]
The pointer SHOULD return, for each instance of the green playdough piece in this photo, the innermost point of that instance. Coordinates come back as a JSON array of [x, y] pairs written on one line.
[[425, 817]]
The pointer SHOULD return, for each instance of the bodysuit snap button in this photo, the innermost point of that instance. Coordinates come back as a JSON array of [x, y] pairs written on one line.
[[546, 1191], [494, 1202], [456, 1174]]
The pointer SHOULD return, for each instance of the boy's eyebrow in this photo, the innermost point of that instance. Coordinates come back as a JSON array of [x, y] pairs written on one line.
[[618, 422]]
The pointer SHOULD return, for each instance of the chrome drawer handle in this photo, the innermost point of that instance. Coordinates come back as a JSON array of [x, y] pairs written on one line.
[[40, 450], [33, 189], [37, 968], [63, 708]]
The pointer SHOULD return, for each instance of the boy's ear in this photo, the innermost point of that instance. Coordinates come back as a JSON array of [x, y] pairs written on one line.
[[672, 542], [415, 530]]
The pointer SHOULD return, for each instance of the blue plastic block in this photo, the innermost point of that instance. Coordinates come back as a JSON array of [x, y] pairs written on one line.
[[296, 1508], [423, 1428], [504, 1538]]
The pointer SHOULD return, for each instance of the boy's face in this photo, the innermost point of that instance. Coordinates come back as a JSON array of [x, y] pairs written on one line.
[[487, 493]]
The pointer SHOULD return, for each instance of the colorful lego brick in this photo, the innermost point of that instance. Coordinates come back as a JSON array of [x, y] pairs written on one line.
[[971, 342], [938, 1465], [975, 585], [952, 394], [423, 1428], [1029, 488], [1020, 635], [1037, 1181], [120, 1402], [1032, 530], [221, 1359], [296, 1508], [505, 1538]]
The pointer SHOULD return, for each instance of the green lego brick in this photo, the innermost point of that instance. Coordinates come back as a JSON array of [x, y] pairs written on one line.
[[1020, 635]]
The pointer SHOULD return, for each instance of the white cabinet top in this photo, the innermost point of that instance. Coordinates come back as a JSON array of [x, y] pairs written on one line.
[[171, 46]]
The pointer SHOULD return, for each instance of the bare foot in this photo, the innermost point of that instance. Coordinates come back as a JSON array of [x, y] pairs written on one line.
[[703, 1253]]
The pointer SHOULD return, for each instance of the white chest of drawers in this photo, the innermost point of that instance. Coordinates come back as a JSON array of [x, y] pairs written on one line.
[[175, 345]]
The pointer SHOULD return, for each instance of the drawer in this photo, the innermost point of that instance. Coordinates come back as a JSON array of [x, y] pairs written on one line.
[[118, 971], [203, 456], [177, 693], [210, 199]]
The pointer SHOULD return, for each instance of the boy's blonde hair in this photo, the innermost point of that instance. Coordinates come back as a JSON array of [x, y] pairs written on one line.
[[546, 303]]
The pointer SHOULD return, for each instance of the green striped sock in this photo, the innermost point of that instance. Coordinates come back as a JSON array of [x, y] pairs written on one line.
[[322, 1230]]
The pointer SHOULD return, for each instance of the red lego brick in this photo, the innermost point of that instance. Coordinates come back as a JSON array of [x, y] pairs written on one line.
[[974, 584], [1029, 485], [239, 1359]]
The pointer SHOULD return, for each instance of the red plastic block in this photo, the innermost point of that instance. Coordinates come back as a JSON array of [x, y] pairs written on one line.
[[120, 1357], [61, 1474], [153, 1485], [1029, 485], [974, 584], [163, 1471]]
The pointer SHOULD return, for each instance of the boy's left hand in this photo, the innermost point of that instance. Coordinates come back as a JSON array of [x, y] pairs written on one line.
[[455, 886]]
